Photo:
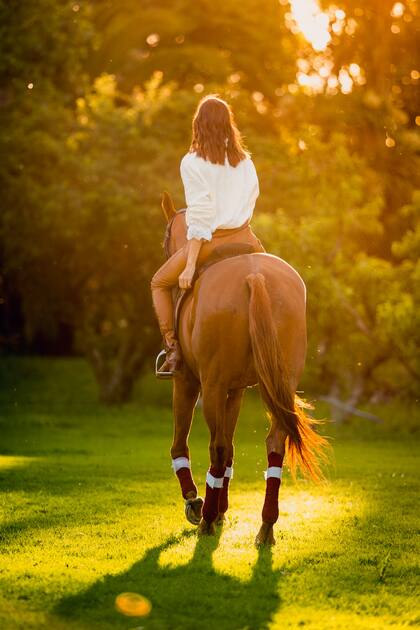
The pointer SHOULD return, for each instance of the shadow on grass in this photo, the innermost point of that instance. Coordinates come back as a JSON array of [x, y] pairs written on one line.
[[191, 596]]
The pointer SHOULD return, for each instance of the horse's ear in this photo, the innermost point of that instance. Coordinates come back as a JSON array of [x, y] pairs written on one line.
[[168, 205]]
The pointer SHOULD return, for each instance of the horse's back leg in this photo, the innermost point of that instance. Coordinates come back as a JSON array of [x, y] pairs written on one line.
[[233, 406], [275, 444], [185, 395]]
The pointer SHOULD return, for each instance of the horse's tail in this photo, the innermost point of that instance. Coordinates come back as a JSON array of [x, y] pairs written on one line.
[[304, 445]]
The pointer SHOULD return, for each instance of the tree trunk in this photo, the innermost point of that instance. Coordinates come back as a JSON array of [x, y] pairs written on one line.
[[117, 375]]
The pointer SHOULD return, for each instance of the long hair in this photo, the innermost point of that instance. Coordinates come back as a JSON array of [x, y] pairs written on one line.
[[215, 134]]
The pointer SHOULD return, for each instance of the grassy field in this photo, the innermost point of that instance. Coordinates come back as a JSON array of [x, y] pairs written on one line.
[[90, 509]]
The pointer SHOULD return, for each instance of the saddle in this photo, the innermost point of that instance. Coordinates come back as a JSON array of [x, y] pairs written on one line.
[[227, 250]]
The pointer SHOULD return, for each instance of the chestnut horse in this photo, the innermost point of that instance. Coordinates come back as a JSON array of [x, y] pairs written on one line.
[[242, 324]]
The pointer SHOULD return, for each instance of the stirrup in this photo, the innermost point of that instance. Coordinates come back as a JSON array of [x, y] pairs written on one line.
[[162, 375]]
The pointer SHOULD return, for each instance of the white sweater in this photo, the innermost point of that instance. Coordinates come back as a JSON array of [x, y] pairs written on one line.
[[217, 195]]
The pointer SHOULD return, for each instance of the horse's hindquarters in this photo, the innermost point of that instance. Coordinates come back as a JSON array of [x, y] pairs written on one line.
[[214, 327]]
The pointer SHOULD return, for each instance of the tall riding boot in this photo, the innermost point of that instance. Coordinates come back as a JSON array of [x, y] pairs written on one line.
[[173, 359]]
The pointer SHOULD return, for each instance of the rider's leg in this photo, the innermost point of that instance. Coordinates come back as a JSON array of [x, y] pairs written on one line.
[[162, 284], [167, 277]]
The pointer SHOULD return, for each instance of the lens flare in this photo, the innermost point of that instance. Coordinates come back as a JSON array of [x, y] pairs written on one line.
[[133, 605]]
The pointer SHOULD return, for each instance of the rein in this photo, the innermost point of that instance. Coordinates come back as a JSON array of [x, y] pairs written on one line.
[[168, 233]]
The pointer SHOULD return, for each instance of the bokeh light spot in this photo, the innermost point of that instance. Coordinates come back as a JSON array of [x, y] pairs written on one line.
[[153, 39], [235, 77], [397, 10], [345, 80], [354, 69], [258, 96]]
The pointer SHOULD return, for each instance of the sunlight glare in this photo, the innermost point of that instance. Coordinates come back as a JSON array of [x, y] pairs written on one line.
[[8, 462], [313, 82], [312, 22]]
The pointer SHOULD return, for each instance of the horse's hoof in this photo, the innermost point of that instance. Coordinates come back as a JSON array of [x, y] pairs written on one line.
[[193, 509], [265, 536], [206, 529], [220, 518]]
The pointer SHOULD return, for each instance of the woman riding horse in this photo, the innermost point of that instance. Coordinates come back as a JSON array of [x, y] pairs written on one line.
[[243, 324], [221, 188]]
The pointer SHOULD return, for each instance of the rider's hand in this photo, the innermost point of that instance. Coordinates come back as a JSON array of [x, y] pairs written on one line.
[[185, 279]]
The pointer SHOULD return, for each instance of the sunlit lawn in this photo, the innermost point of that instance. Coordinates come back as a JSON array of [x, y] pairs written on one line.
[[90, 509]]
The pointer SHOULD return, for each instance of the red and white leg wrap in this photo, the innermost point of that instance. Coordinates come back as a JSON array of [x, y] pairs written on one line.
[[270, 512], [182, 469], [224, 492], [214, 484]]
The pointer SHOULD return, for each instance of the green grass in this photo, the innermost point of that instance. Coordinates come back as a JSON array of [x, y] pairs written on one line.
[[90, 509]]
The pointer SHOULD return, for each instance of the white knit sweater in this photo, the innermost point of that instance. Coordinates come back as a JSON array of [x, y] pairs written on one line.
[[217, 195]]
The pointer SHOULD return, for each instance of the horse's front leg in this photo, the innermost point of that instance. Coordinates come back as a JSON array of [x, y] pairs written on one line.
[[185, 395], [233, 406], [214, 410]]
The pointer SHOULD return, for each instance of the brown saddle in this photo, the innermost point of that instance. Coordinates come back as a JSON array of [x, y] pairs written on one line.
[[227, 250]]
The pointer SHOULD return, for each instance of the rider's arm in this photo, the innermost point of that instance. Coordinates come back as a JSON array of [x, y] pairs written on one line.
[[194, 246], [201, 210], [185, 279], [199, 214]]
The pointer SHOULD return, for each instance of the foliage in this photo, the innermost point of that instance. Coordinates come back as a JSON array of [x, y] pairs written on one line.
[[363, 332], [102, 222], [113, 224], [96, 109], [208, 41]]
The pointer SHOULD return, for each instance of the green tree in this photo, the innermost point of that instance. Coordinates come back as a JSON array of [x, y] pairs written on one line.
[[207, 42]]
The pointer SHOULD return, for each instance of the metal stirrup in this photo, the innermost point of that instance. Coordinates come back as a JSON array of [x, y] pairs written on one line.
[[158, 374]]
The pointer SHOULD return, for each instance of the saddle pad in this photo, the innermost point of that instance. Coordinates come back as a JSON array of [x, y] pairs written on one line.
[[227, 250]]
